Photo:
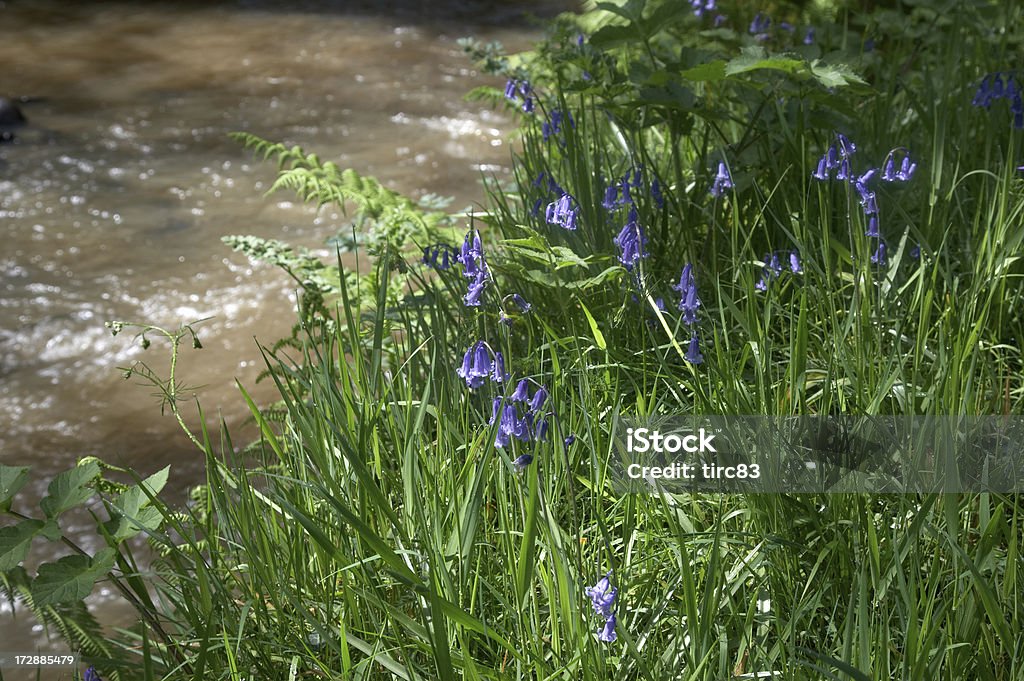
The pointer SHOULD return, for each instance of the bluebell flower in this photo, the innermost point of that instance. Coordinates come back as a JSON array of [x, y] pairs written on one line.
[[475, 290], [522, 392], [809, 36], [889, 173], [689, 305], [720, 19], [562, 212], [786, 26], [602, 595], [536, 206], [693, 355], [521, 302], [689, 301], [510, 89], [495, 406], [631, 242], [846, 147], [607, 634], [878, 258], [794, 263], [498, 373], [722, 181], [554, 124], [844, 170], [540, 431], [822, 172], [522, 461], [702, 6], [659, 199], [569, 440], [907, 169], [431, 254], [611, 197], [760, 25], [91, 675], [872, 229], [539, 398], [915, 252], [476, 365]]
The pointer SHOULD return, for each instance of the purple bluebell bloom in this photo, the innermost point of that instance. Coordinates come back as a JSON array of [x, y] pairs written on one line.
[[689, 301], [723, 181], [607, 634], [569, 440], [498, 373], [693, 355], [906, 170], [510, 89], [794, 263], [602, 595], [522, 391], [563, 213], [539, 398], [495, 406], [540, 430], [659, 199], [878, 258], [611, 197], [915, 252], [844, 170], [522, 461], [760, 25], [521, 302], [475, 290], [822, 172], [702, 6], [631, 242], [476, 365], [846, 147], [809, 36], [872, 229], [91, 675]]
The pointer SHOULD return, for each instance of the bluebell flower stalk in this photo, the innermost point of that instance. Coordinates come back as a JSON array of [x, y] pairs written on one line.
[[631, 241], [722, 181]]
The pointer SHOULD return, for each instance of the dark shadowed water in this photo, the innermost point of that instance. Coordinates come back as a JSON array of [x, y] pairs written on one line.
[[113, 201]]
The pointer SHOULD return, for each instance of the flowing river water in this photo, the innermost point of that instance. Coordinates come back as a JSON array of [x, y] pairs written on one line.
[[114, 198]]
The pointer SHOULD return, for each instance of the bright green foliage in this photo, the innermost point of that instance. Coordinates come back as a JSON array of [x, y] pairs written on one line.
[[374, 531]]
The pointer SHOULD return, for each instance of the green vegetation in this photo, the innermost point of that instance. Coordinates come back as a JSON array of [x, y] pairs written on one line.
[[404, 515]]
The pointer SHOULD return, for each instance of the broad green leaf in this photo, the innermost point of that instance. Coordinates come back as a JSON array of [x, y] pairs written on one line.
[[713, 71], [613, 36], [566, 257], [69, 489], [134, 510], [12, 479], [71, 578], [834, 75], [15, 542], [632, 10], [754, 58]]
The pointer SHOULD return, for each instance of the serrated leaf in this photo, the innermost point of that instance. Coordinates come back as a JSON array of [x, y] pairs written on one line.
[[68, 489], [631, 11], [835, 75], [612, 36], [711, 72], [15, 542], [71, 578], [134, 512], [754, 59], [566, 257], [12, 479]]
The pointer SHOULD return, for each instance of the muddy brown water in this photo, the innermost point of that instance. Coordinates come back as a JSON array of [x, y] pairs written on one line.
[[114, 198]]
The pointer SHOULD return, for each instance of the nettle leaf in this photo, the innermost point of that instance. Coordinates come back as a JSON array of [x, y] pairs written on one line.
[[133, 509], [69, 489], [631, 11], [15, 542], [754, 58], [835, 75], [566, 257], [12, 479], [712, 72], [71, 578]]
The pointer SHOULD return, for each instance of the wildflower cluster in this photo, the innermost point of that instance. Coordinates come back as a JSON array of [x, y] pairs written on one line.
[[631, 241], [532, 425], [474, 268], [702, 6], [553, 126], [479, 365], [602, 598], [689, 302], [1001, 85], [773, 268], [838, 159], [520, 89], [564, 212], [438, 255]]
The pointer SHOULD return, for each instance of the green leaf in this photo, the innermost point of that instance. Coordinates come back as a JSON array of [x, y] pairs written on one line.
[[12, 479], [566, 257], [754, 58], [15, 542], [71, 578], [835, 75], [69, 489], [712, 71], [598, 336], [613, 36], [631, 11], [134, 512]]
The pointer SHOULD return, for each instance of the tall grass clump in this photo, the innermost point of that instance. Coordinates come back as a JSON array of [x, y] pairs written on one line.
[[802, 211]]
